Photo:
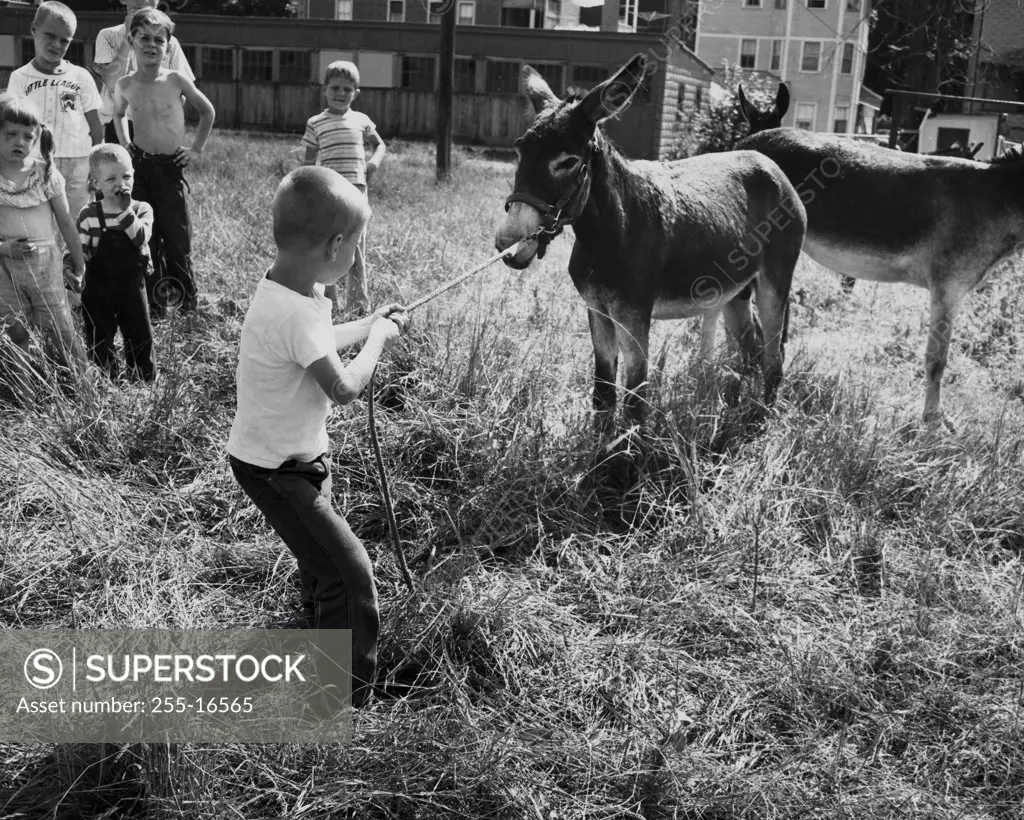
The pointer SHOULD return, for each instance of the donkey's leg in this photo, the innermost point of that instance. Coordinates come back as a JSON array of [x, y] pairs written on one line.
[[708, 326], [773, 308], [606, 360], [741, 326], [632, 330], [944, 306]]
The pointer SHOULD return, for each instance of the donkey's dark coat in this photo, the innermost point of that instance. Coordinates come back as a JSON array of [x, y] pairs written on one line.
[[655, 240], [935, 222]]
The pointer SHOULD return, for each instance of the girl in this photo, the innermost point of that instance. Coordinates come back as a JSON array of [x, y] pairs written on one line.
[[33, 208]]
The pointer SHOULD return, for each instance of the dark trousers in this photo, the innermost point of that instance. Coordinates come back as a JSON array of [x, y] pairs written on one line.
[[110, 133], [161, 183], [333, 563], [110, 304]]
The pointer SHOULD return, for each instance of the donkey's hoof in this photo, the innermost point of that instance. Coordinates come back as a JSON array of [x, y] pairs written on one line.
[[937, 418]]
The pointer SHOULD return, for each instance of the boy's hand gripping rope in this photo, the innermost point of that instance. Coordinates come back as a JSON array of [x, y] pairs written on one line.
[[385, 491]]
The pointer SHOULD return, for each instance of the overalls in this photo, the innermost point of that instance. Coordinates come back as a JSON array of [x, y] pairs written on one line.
[[114, 298]]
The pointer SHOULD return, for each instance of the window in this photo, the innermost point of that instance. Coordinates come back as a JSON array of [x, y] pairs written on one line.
[[465, 76], [810, 61], [853, 5], [294, 66], [189, 53], [776, 63], [681, 97], [466, 14], [816, 4], [748, 53], [418, 73], [218, 63], [780, 4], [805, 116], [343, 9], [396, 11], [76, 52], [587, 76], [847, 65], [698, 98], [502, 77], [258, 65], [842, 121], [752, 4], [552, 75], [953, 138], [521, 17], [553, 13], [436, 9]]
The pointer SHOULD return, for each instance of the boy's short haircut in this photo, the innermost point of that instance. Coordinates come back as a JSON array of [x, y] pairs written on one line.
[[51, 9], [313, 204], [151, 17], [107, 152], [343, 69]]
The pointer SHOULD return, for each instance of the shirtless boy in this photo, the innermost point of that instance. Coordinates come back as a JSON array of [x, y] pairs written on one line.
[[155, 95]]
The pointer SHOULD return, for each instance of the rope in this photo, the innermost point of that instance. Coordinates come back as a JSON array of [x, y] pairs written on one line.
[[371, 422]]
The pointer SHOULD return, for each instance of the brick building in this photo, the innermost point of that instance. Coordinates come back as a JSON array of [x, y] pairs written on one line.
[[996, 69], [515, 13]]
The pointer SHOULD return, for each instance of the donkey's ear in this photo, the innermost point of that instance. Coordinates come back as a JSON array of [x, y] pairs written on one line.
[[748, 111], [781, 101], [613, 96], [535, 89]]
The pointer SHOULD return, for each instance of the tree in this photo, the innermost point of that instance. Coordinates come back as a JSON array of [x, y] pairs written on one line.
[[920, 45], [717, 125]]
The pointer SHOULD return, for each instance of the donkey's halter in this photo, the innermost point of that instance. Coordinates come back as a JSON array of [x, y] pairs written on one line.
[[553, 217]]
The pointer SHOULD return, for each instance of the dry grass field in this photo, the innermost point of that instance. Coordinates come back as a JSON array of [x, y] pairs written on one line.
[[808, 612]]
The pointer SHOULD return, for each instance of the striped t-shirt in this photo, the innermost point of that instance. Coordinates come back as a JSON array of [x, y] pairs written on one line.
[[136, 221], [338, 142]]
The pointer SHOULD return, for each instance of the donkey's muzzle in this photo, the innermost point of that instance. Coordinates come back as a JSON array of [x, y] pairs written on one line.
[[523, 256]]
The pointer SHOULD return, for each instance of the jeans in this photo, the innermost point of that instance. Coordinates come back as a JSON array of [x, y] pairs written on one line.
[[161, 183], [75, 171], [334, 566], [32, 293]]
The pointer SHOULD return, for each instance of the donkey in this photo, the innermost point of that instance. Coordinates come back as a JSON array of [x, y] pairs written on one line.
[[759, 120], [940, 223], [654, 240]]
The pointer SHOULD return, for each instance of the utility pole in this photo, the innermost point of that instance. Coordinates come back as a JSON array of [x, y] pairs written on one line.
[[445, 90]]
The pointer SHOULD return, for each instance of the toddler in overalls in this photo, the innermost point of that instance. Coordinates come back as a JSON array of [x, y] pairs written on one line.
[[115, 232]]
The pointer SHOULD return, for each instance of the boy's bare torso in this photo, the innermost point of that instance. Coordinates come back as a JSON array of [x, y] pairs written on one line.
[[158, 112]]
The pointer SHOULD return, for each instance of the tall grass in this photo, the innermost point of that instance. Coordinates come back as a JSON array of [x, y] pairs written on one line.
[[812, 611]]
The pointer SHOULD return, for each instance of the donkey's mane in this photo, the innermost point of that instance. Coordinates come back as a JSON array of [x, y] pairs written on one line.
[[1013, 155]]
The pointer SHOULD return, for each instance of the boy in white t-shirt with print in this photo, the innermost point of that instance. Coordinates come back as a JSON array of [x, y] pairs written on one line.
[[288, 375], [337, 138], [67, 99]]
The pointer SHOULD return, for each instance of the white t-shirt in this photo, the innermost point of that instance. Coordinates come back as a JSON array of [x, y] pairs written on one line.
[[62, 98], [108, 41], [282, 410]]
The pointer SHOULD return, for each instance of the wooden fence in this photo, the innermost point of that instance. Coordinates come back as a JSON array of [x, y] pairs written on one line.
[[477, 118]]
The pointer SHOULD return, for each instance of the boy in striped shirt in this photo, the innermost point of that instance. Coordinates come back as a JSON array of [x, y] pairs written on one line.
[[115, 232], [338, 137]]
